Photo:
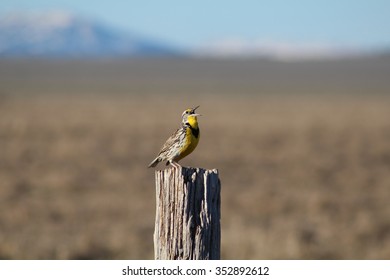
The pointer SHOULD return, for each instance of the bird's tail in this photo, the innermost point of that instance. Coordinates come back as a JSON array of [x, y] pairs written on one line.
[[154, 162]]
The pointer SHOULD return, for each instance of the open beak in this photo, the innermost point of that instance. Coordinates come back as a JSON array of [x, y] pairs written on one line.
[[193, 112]]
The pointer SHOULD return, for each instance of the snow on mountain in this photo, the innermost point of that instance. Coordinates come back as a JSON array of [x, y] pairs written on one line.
[[63, 34], [278, 50]]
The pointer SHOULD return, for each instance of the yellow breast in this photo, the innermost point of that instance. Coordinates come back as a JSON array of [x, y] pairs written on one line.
[[191, 138]]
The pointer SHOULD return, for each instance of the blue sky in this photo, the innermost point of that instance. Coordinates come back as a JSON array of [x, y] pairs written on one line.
[[359, 24]]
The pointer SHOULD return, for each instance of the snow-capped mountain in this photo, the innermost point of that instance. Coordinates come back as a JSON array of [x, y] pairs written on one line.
[[278, 50], [62, 34]]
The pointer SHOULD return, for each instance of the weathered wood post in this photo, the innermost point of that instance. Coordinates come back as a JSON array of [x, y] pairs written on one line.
[[188, 214]]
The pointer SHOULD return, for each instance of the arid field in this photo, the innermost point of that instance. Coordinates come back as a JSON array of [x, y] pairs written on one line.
[[302, 148]]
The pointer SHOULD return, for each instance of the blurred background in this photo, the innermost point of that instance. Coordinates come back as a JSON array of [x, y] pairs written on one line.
[[295, 104]]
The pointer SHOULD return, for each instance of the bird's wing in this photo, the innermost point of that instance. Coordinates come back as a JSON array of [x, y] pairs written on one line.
[[172, 145]]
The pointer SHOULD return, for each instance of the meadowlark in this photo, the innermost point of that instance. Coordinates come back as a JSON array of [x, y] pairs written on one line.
[[182, 142]]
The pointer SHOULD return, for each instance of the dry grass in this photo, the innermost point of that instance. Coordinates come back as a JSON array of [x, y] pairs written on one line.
[[302, 177]]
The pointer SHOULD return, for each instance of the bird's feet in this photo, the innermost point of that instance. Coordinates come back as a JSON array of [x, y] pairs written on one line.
[[175, 164]]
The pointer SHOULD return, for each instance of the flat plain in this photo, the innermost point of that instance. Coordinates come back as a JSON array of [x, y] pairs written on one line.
[[302, 148]]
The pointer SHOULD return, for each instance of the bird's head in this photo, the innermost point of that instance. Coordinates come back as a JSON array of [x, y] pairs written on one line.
[[189, 116]]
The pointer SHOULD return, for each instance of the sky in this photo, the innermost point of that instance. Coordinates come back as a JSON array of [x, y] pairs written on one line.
[[352, 23]]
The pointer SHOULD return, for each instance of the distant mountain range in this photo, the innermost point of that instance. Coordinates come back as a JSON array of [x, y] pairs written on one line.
[[61, 34]]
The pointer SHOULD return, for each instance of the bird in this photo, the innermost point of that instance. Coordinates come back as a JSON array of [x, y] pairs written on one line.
[[182, 142]]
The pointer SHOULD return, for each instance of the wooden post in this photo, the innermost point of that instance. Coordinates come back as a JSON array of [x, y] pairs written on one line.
[[188, 214]]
